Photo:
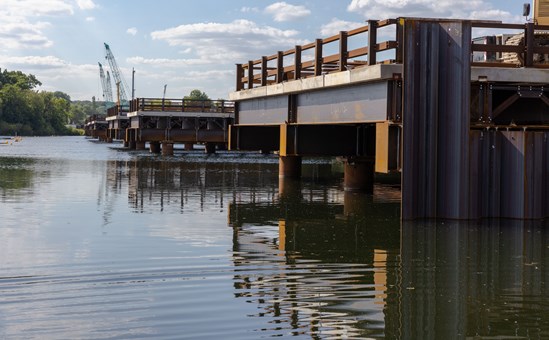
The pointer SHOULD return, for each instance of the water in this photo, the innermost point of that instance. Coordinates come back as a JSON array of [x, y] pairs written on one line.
[[100, 243]]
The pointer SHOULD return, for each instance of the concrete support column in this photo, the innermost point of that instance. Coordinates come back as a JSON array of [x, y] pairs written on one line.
[[289, 166], [140, 145], [359, 175], [154, 147], [189, 146], [167, 149], [132, 145], [210, 148]]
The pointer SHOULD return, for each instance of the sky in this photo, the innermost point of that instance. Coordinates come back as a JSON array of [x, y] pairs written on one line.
[[185, 44]]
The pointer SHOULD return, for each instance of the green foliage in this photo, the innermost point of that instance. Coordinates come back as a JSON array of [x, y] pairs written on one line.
[[19, 79], [27, 112], [82, 109], [197, 95]]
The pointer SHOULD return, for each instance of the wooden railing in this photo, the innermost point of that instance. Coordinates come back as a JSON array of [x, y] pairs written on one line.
[[181, 105], [94, 118], [258, 71], [526, 51], [117, 110], [272, 69]]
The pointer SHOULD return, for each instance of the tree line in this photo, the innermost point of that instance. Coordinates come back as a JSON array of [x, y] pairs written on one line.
[[25, 111]]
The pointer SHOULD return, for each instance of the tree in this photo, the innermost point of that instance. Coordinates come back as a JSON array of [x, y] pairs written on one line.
[[197, 95], [19, 79]]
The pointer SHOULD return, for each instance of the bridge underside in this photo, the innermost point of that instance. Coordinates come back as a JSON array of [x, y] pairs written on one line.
[[168, 128]]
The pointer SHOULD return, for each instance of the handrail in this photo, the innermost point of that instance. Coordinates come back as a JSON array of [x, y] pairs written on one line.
[[260, 73], [247, 77], [181, 105]]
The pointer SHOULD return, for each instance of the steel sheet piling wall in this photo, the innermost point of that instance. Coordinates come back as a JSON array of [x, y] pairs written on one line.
[[509, 174], [435, 173]]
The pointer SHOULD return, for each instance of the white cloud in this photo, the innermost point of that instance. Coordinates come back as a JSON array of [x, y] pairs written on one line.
[[384, 9], [86, 4], [30, 8], [21, 27], [16, 33], [231, 42], [337, 25], [35, 62], [132, 31], [249, 10], [90, 19], [57, 74], [282, 11], [165, 62]]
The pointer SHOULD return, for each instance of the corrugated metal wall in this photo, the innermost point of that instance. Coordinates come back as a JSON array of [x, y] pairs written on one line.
[[509, 174]]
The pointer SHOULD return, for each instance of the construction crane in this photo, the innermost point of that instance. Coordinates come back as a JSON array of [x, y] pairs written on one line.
[[109, 85], [106, 85], [122, 87]]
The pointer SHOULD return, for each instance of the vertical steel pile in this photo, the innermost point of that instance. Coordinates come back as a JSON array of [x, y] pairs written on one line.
[[435, 173]]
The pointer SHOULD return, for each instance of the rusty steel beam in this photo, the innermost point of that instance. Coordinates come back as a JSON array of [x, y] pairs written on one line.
[[297, 62], [372, 42], [343, 53], [280, 67], [529, 41], [318, 57], [505, 105]]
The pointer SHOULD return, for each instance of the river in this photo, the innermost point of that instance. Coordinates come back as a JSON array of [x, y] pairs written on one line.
[[97, 242]]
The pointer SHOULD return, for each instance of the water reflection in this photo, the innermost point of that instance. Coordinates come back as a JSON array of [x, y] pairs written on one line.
[[16, 174], [345, 266], [154, 186], [316, 262], [474, 279]]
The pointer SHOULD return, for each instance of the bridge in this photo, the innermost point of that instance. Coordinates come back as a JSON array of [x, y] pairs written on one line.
[[163, 122], [96, 126], [465, 121]]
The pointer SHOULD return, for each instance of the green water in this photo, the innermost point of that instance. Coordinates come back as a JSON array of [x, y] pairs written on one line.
[[101, 243]]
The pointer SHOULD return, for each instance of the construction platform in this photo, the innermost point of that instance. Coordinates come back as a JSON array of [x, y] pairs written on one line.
[[163, 122], [470, 138], [96, 127]]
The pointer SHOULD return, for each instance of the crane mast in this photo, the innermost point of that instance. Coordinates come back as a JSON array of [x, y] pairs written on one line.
[[109, 86], [105, 84], [118, 78]]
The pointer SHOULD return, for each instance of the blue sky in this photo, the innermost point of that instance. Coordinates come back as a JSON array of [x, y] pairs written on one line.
[[188, 44]]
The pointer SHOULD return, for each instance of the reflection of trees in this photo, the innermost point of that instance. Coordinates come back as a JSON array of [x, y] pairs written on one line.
[[15, 174]]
